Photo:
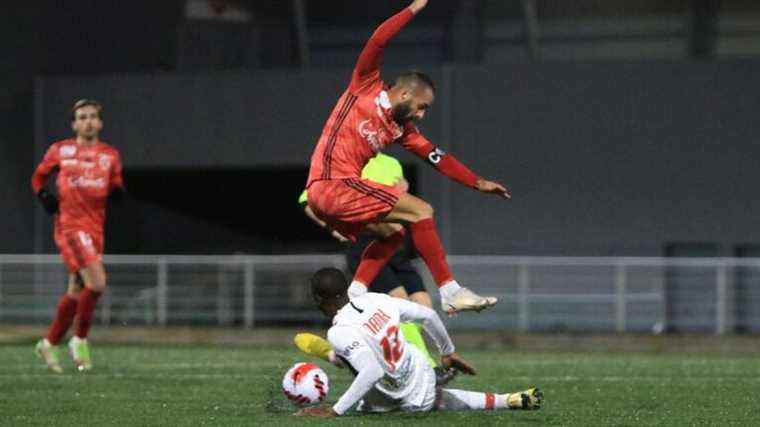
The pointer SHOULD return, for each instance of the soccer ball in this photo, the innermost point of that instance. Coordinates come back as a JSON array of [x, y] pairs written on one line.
[[305, 384]]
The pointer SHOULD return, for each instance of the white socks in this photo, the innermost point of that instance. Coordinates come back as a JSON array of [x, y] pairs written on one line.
[[356, 289], [461, 400], [448, 289]]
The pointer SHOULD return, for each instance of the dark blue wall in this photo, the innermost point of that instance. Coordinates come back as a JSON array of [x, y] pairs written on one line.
[[603, 159]]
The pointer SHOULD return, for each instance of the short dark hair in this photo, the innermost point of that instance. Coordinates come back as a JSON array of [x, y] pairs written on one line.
[[413, 78], [328, 284], [86, 103]]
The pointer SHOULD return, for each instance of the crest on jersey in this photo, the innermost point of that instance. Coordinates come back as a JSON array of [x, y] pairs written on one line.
[[67, 150], [368, 132], [104, 161]]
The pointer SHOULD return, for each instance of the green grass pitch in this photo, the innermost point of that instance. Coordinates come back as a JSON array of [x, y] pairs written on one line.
[[231, 386]]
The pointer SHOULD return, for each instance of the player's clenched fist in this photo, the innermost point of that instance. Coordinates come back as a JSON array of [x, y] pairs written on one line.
[[418, 5]]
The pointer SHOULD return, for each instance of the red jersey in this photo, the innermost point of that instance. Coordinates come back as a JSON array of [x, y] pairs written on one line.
[[86, 175], [361, 124]]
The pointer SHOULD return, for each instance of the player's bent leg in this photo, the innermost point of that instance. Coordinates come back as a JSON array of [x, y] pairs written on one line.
[[384, 229], [419, 214], [47, 348], [409, 209], [461, 400], [422, 298], [376, 256], [398, 292], [94, 277]]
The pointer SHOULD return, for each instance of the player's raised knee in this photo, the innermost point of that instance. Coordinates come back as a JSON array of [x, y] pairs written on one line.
[[424, 211]]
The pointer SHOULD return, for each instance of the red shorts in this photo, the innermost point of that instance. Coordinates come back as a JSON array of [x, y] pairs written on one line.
[[348, 205], [78, 248]]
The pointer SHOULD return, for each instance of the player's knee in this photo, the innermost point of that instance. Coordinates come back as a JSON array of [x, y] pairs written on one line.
[[425, 211], [393, 229], [98, 284]]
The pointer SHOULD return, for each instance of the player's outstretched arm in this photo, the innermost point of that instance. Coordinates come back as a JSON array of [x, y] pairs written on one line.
[[368, 65], [491, 187], [433, 325], [448, 165], [40, 178], [351, 347]]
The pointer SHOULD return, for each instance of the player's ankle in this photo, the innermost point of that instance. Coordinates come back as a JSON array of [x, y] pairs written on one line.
[[449, 288]]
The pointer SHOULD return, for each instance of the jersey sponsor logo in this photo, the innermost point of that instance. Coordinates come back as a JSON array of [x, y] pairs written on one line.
[[104, 161], [353, 346], [83, 182], [67, 150], [435, 156], [69, 162], [383, 100], [377, 322], [370, 134]]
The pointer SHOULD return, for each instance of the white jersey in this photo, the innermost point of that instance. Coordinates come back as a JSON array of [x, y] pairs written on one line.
[[365, 333]]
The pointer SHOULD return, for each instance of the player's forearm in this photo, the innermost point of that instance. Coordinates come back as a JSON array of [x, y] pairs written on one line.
[[457, 171], [388, 29], [431, 322], [39, 179], [307, 210], [362, 384], [445, 163], [434, 327], [369, 60]]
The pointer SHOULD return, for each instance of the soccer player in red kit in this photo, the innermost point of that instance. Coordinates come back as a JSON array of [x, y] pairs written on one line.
[[368, 117], [89, 171]]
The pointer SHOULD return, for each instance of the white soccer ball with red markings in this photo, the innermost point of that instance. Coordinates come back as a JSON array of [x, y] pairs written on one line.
[[305, 384]]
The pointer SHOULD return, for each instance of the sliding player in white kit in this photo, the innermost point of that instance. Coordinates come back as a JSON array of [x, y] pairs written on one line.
[[391, 375]]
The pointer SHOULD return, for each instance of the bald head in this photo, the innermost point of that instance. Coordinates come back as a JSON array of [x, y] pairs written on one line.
[[415, 80], [411, 96]]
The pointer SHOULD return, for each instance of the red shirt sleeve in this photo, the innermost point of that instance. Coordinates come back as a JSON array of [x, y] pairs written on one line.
[[45, 168], [116, 180], [446, 164], [367, 70]]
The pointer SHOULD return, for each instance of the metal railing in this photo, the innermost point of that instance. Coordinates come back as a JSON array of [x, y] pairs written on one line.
[[538, 294]]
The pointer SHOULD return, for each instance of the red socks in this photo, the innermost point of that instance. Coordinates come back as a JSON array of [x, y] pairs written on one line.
[[429, 246], [87, 300], [427, 242], [64, 316], [376, 255]]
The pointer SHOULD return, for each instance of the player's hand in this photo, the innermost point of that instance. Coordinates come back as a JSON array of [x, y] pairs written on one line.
[[316, 411], [453, 360], [335, 360], [49, 201], [339, 237], [491, 187], [417, 5], [402, 185]]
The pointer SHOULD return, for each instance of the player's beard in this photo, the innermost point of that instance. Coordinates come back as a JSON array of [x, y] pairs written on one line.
[[402, 113]]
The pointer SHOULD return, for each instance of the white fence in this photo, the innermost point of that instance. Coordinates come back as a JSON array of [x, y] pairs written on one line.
[[539, 294]]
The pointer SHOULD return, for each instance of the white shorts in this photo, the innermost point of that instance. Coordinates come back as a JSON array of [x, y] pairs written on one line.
[[420, 396]]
